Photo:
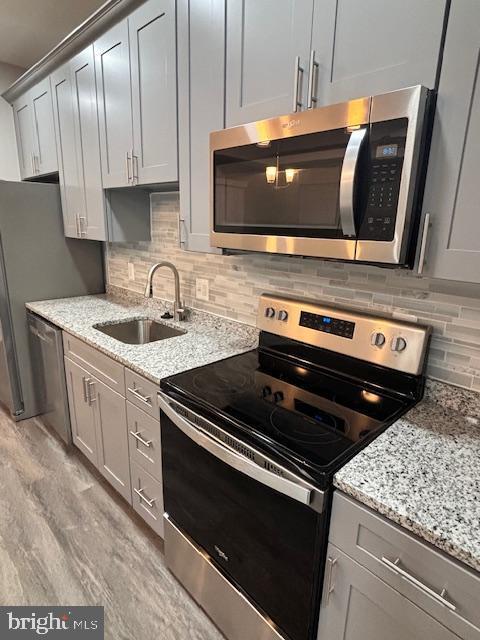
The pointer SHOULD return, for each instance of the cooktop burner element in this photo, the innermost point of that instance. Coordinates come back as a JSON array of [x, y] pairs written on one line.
[[309, 394]]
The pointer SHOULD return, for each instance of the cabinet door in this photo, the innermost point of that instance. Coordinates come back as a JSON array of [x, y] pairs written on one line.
[[81, 411], [357, 605], [154, 92], [22, 114], [263, 40], [87, 142], [43, 128], [201, 36], [375, 46], [112, 69], [70, 190], [451, 192], [111, 424]]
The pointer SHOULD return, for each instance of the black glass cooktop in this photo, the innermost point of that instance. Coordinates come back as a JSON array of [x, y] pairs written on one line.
[[311, 418]]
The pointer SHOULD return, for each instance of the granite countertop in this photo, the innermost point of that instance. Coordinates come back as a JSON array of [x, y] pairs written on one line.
[[208, 337], [424, 472]]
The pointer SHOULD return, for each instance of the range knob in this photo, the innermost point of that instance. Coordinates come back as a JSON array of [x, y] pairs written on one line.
[[377, 339], [278, 396], [266, 391], [283, 315], [399, 344], [270, 312]]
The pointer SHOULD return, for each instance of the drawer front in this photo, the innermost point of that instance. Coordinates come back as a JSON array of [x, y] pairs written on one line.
[[142, 393], [147, 498], [144, 440], [412, 567], [96, 363]]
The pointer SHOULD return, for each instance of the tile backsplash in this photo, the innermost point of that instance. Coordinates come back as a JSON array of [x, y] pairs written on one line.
[[236, 282]]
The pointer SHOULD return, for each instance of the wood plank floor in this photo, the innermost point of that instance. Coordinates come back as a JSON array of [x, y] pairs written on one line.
[[66, 538]]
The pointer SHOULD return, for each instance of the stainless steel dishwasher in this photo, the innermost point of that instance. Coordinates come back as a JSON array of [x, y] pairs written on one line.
[[50, 385]]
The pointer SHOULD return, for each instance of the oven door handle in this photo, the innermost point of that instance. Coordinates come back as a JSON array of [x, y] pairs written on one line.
[[232, 459], [347, 181]]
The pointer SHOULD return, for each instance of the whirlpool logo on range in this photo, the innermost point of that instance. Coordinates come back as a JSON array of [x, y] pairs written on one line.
[[24, 623]]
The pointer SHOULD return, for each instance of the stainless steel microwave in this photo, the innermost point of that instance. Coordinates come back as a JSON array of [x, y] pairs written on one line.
[[341, 182]]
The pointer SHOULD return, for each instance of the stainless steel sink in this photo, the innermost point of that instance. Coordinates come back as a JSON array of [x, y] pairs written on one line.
[[139, 331]]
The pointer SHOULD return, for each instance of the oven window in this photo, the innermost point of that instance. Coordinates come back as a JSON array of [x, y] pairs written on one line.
[[283, 187]]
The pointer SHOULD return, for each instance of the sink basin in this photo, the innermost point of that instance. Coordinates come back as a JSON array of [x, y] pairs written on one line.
[[140, 331]]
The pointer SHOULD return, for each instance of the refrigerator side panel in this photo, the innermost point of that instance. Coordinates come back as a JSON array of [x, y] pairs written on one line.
[[40, 263]]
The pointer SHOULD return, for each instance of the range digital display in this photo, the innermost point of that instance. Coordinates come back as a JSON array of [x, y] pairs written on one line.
[[327, 324], [386, 151]]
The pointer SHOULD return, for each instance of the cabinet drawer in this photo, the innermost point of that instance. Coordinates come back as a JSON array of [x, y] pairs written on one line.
[[142, 393], [147, 498], [97, 364], [421, 573], [144, 439]]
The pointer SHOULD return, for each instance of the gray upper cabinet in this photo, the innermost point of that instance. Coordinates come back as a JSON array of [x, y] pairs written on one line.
[[264, 40], [92, 219], [112, 67], [22, 113], [111, 425], [45, 160], [35, 131], [70, 189], [154, 92], [375, 46], [201, 36], [356, 605], [451, 194]]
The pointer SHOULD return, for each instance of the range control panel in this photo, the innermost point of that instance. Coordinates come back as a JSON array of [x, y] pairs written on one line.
[[328, 324], [385, 341]]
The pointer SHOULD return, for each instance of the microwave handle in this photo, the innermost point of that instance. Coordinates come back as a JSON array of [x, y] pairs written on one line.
[[232, 458], [347, 181]]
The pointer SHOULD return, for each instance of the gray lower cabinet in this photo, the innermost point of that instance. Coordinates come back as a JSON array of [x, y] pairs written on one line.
[[381, 581], [111, 427], [357, 605], [147, 498], [201, 36], [451, 193], [144, 441], [375, 46], [81, 412], [263, 41]]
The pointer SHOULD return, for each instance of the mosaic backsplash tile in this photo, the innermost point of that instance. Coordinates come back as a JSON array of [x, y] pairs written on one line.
[[236, 282]]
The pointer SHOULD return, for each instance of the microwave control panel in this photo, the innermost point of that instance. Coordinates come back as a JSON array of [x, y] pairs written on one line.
[[385, 163]]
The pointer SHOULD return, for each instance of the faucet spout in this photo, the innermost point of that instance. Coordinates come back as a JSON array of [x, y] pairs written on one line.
[[179, 311]]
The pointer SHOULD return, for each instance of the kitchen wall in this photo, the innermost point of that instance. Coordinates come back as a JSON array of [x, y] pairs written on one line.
[[9, 168], [237, 281]]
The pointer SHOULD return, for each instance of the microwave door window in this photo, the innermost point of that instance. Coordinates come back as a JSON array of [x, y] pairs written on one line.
[[290, 187]]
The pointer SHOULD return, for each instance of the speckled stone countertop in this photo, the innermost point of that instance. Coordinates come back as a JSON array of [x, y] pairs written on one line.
[[424, 472], [208, 338]]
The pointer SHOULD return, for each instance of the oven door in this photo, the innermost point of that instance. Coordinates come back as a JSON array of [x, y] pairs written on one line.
[[289, 184], [245, 541]]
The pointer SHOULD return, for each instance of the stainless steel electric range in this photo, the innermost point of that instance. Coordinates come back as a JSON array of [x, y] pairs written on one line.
[[249, 448]]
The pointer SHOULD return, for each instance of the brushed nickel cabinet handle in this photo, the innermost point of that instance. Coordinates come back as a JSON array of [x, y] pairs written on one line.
[[85, 394], [139, 493], [82, 226], [331, 562], [136, 392], [137, 436], [32, 161], [311, 99], [297, 104], [127, 162], [90, 391], [134, 165], [439, 597]]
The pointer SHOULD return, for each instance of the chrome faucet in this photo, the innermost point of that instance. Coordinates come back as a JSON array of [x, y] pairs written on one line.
[[178, 310]]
